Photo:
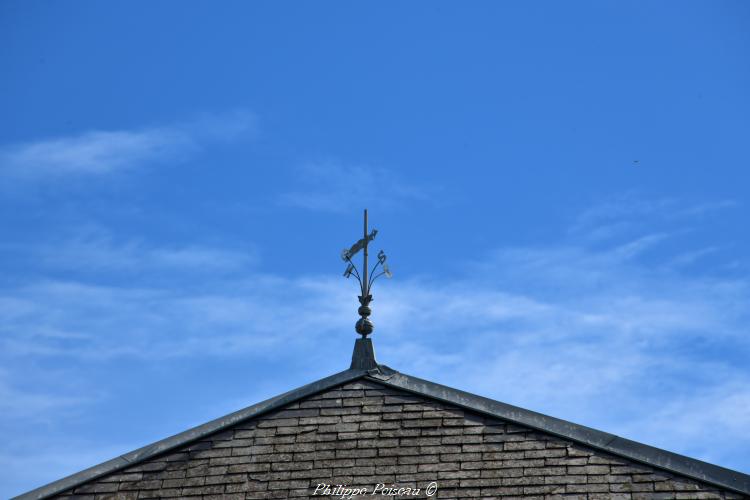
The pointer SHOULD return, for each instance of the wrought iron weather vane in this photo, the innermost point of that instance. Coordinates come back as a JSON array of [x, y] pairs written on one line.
[[364, 326]]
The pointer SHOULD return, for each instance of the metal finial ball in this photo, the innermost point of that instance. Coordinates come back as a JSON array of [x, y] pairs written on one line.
[[364, 311], [364, 326]]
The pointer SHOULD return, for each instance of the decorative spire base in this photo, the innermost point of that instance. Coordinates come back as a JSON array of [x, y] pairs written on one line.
[[363, 357]]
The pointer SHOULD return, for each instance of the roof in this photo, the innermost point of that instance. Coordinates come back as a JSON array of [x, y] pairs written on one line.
[[364, 366]]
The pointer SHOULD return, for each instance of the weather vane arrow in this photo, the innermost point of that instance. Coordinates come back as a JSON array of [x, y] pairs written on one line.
[[364, 325]]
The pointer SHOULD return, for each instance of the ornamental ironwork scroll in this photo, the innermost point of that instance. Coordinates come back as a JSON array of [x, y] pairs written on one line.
[[364, 325]]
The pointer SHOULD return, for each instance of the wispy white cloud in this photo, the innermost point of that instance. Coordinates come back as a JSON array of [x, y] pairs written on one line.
[[25, 457], [101, 152], [621, 211], [229, 318], [688, 258], [720, 412], [333, 187], [18, 402], [627, 213], [96, 250], [95, 152]]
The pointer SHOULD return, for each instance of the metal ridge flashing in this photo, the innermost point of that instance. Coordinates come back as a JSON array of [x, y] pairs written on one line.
[[604, 441], [190, 435]]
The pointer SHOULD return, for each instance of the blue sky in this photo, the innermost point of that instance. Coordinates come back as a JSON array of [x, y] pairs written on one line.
[[561, 187]]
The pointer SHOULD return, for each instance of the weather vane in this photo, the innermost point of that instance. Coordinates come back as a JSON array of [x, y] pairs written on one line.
[[364, 326]]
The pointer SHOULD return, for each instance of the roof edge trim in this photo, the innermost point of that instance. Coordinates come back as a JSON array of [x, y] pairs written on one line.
[[190, 435], [604, 441]]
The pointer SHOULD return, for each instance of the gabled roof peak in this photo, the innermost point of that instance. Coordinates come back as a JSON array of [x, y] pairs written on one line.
[[364, 356]]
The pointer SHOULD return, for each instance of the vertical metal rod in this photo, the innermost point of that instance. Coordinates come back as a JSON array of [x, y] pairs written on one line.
[[365, 290]]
